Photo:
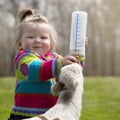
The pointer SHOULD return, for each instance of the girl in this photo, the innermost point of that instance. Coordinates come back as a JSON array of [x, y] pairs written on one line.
[[37, 66]]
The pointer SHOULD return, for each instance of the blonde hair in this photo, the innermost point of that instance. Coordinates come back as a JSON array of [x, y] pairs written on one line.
[[27, 15]]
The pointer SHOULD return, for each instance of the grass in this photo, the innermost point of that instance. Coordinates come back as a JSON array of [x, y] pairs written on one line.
[[101, 99], [6, 96]]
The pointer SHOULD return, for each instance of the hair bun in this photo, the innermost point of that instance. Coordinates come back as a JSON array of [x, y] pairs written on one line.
[[25, 13]]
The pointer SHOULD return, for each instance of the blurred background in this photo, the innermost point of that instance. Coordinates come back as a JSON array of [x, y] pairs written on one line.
[[103, 31]]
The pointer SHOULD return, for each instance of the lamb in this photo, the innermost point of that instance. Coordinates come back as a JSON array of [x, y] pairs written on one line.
[[70, 88]]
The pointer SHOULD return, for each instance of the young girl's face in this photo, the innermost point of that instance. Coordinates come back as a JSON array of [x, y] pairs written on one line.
[[36, 37]]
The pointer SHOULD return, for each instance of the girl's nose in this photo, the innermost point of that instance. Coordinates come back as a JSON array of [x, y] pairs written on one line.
[[38, 39]]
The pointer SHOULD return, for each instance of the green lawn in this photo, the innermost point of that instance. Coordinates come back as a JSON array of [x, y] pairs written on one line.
[[6, 96], [101, 99]]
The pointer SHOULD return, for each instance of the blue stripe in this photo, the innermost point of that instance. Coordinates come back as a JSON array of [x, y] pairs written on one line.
[[76, 33], [29, 110], [54, 69], [34, 70], [26, 86]]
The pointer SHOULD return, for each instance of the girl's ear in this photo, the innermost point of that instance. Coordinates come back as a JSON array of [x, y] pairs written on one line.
[[20, 46]]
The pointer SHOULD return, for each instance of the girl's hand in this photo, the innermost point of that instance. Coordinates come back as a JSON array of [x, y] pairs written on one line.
[[69, 59]]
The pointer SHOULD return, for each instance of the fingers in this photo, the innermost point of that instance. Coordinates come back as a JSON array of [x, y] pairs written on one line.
[[72, 59], [69, 60]]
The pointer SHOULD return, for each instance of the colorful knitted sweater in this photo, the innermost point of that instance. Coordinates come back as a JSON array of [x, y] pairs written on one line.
[[35, 76]]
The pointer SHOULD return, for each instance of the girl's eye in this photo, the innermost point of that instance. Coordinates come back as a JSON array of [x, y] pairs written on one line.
[[30, 37], [44, 37]]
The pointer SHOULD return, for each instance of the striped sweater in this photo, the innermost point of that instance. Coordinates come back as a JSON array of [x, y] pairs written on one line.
[[35, 75]]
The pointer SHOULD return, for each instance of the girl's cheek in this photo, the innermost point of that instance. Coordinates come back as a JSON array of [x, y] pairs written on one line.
[[28, 44]]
